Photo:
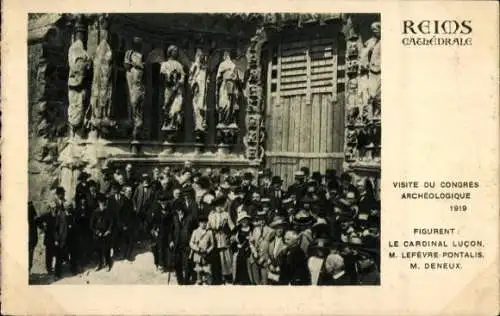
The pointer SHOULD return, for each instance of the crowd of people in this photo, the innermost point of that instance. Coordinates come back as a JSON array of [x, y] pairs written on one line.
[[217, 227]]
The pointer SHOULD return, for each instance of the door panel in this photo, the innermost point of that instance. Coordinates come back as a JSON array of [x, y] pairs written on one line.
[[304, 117]]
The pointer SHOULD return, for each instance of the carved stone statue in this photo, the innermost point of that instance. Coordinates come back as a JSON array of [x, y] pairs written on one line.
[[228, 80], [79, 66], [370, 60], [134, 67], [102, 84], [174, 75], [197, 84]]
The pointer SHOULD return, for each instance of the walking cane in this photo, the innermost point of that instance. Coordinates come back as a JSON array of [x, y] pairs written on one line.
[[168, 277]]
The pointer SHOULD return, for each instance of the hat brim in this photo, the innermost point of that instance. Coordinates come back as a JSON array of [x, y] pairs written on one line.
[[278, 224]]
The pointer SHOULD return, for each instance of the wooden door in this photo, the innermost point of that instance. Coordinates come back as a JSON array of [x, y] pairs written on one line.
[[304, 119]]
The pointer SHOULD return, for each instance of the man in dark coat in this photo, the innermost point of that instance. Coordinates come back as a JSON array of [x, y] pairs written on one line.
[[143, 200], [92, 195], [265, 182], [33, 232], [276, 194], [161, 225], [182, 226], [298, 188], [246, 185], [101, 225], [188, 201], [129, 177], [127, 224], [74, 239], [115, 205], [82, 188], [166, 187], [56, 230], [294, 270]]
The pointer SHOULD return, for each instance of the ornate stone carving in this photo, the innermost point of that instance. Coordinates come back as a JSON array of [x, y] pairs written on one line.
[[255, 136], [362, 139], [102, 84], [197, 84], [79, 66], [134, 67], [174, 76]]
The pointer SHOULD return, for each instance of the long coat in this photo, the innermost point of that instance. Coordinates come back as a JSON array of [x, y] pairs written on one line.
[[294, 269], [143, 199], [274, 256], [181, 231], [56, 227]]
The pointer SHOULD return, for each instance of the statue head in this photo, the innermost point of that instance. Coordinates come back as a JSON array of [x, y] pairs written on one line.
[[80, 30], [172, 51], [375, 27], [137, 43]]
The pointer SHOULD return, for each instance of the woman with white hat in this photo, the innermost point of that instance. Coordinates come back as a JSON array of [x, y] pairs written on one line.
[[241, 268]]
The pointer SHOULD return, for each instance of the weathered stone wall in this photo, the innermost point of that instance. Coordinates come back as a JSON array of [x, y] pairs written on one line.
[[47, 102]]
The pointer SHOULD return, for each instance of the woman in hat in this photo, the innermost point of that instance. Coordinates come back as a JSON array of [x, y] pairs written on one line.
[[218, 223], [275, 250], [241, 273], [259, 240], [202, 244]]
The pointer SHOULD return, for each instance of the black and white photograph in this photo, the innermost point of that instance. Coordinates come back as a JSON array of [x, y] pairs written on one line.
[[204, 148]]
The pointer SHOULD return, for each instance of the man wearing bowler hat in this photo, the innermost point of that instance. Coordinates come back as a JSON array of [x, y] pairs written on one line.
[[276, 193]]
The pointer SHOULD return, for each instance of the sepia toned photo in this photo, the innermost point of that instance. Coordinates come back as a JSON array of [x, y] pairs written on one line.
[[204, 148]]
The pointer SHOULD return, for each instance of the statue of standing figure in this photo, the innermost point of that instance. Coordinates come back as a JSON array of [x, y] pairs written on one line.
[[197, 83], [370, 61], [134, 67], [174, 75], [228, 81], [79, 65], [102, 84]]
